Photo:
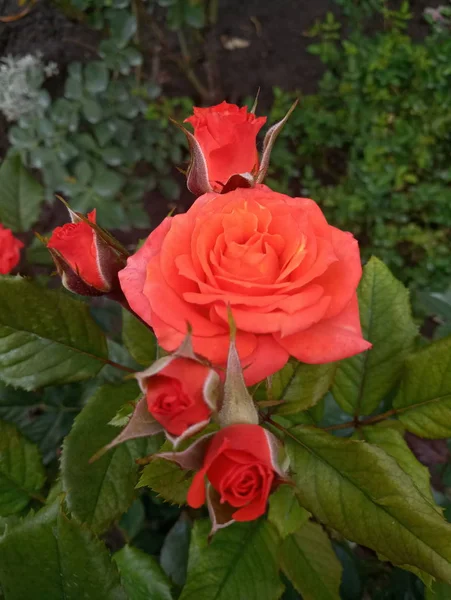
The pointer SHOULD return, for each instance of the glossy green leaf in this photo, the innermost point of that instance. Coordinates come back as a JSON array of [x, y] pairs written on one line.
[[46, 336], [21, 472], [21, 195], [141, 575], [423, 403], [139, 339], [438, 591], [310, 563], [393, 443], [285, 511], [362, 381], [360, 491], [301, 386], [50, 557], [99, 493], [240, 562]]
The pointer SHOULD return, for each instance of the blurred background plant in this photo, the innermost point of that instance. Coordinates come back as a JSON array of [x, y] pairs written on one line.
[[373, 145]]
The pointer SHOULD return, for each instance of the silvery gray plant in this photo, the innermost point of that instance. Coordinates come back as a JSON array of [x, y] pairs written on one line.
[[21, 80]]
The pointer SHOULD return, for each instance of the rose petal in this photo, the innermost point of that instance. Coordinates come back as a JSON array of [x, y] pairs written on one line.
[[330, 340], [133, 277], [268, 358]]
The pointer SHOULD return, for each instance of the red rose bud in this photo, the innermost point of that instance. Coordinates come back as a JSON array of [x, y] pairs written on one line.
[[9, 250], [181, 394], [223, 148], [225, 145], [241, 464], [87, 258]]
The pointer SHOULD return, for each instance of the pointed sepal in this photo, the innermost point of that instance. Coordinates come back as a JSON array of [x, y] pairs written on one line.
[[141, 424], [191, 459], [237, 404], [269, 141], [197, 174]]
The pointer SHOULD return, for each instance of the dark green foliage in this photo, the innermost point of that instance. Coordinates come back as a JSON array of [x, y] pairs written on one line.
[[373, 145]]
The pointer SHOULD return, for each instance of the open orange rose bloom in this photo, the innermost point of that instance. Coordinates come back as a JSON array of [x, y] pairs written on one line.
[[289, 277]]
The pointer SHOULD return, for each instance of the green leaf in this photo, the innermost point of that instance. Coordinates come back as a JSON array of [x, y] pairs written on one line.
[[50, 557], [309, 562], [46, 336], [139, 339], [241, 562], [285, 512], [43, 417], [123, 28], [98, 493], [96, 77], [361, 382], [167, 479], [107, 183], [175, 550], [438, 591], [21, 195], [92, 110], [393, 443], [360, 491], [141, 575], [423, 403], [21, 472], [301, 386]]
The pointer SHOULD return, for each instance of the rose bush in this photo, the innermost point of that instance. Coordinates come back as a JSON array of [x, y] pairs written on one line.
[[289, 277], [227, 136], [10, 248]]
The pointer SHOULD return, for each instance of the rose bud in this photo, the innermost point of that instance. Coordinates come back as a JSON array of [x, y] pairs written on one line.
[[237, 469], [181, 395], [226, 137], [10, 248], [87, 258], [223, 148], [242, 469], [240, 462]]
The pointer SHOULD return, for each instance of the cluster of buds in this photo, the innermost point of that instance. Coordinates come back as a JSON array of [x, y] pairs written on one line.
[[238, 466], [294, 296]]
